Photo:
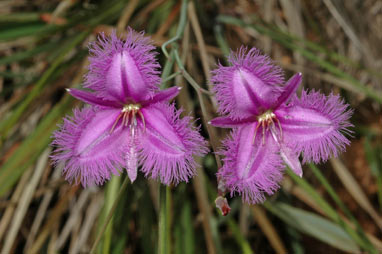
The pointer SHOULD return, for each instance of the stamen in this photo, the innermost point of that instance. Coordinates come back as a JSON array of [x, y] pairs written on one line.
[[281, 129], [125, 120], [128, 114], [257, 128], [267, 121], [115, 123], [143, 120]]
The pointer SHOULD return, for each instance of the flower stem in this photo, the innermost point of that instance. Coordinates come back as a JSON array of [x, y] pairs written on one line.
[[163, 236], [179, 31], [111, 193], [110, 214]]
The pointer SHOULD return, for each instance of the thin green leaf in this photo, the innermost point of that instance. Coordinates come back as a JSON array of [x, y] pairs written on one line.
[[221, 41], [28, 29], [314, 225], [331, 212], [29, 150], [23, 17], [240, 239], [187, 229], [7, 124]]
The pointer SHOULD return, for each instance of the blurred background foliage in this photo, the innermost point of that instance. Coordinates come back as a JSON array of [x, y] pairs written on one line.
[[335, 208]]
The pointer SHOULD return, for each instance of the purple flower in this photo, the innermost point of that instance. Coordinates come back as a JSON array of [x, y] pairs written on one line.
[[130, 123], [272, 125]]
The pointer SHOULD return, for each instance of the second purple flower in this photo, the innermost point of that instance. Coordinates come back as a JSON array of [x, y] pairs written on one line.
[[272, 126]]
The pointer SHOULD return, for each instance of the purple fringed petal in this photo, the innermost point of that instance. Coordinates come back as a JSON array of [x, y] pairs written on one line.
[[289, 156], [169, 145], [123, 69], [315, 125], [247, 87], [90, 98], [289, 90], [86, 147], [251, 170], [291, 159]]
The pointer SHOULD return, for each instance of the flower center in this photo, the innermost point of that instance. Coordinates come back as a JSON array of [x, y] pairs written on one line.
[[267, 121], [129, 114]]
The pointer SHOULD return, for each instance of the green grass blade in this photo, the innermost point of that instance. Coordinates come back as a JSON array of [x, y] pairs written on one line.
[[12, 32], [240, 239], [187, 237], [314, 225], [7, 124], [23, 17], [374, 158], [29, 150], [331, 212], [337, 200]]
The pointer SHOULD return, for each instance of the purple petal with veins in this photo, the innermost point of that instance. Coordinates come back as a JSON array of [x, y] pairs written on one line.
[[251, 84], [315, 125], [289, 90], [164, 95], [89, 151], [169, 145], [123, 70], [251, 170], [90, 98]]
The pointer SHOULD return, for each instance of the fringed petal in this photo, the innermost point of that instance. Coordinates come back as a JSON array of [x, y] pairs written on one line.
[[89, 151], [251, 169], [315, 125], [291, 159], [289, 156], [169, 144], [123, 69], [249, 86]]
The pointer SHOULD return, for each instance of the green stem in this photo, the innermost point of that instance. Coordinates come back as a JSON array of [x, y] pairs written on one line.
[[111, 195], [168, 219], [110, 214], [179, 31], [162, 237]]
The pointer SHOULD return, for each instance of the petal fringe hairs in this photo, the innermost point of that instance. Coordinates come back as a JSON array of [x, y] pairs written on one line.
[[272, 126], [129, 122]]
